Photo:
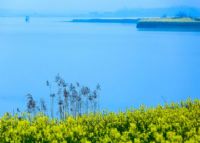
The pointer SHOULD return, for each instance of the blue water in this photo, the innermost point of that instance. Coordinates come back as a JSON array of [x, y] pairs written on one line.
[[133, 67]]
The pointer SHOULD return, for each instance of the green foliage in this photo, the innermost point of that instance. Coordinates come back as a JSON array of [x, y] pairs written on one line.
[[184, 19], [170, 123]]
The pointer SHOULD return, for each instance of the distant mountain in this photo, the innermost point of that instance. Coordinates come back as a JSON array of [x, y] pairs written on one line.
[[5, 12], [153, 12], [13, 13]]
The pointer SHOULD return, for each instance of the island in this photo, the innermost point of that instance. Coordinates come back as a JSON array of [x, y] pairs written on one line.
[[169, 23]]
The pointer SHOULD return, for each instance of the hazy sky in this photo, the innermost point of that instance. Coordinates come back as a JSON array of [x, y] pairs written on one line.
[[90, 5]]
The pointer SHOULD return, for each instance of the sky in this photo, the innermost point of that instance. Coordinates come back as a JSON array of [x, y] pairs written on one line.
[[90, 5]]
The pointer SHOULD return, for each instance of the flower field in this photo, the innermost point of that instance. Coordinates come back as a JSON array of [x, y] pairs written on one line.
[[170, 123]]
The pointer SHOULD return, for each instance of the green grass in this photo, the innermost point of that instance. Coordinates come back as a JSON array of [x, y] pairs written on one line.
[[170, 23], [168, 20]]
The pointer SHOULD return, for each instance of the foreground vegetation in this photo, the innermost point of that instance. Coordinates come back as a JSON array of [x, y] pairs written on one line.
[[169, 123], [72, 100]]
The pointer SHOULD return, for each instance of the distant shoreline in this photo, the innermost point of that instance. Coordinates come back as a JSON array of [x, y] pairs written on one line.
[[153, 24], [101, 20]]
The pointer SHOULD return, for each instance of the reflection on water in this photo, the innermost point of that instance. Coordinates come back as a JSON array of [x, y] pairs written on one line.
[[170, 29], [134, 67]]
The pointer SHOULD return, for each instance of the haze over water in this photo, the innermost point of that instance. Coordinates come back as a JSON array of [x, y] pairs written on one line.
[[133, 67]]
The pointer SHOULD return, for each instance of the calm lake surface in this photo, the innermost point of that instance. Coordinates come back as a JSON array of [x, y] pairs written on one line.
[[133, 67]]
